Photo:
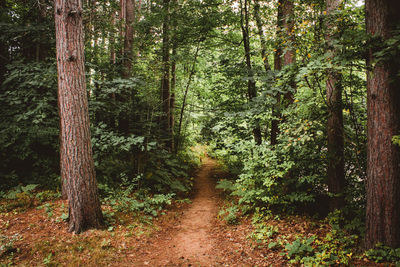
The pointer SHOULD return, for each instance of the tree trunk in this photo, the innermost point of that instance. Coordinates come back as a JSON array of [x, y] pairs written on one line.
[[335, 172], [77, 166], [127, 14], [4, 47], [263, 44], [178, 137], [383, 157], [128, 40], [277, 67], [251, 83], [289, 58], [165, 83], [111, 38], [172, 98]]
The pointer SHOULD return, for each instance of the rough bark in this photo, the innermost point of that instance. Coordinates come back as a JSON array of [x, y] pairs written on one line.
[[127, 14], [383, 157], [277, 67], [165, 82], [128, 38], [335, 132], [76, 161], [289, 58], [251, 83]]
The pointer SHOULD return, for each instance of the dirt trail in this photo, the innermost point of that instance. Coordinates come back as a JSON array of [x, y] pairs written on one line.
[[191, 243], [198, 237], [194, 241]]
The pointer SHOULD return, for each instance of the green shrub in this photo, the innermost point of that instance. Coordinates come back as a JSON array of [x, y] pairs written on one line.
[[383, 253]]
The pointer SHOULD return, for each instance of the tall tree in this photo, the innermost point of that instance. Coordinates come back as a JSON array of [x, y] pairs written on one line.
[[289, 57], [172, 98], [76, 160], [251, 83], [129, 14], [383, 159], [277, 67], [165, 82], [335, 138], [263, 43]]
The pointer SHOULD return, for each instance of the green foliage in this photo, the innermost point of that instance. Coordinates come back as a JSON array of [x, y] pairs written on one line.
[[125, 199], [383, 253], [226, 185], [263, 233], [396, 140], [29, 129], [299, 248], [48, 260], [48, 208], [19, 197], [14, 192], [47, 195], [230, 214], [7, 244]]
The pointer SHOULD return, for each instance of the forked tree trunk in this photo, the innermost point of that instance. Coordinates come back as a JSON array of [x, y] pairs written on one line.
[[335, 172], [251, 83], [77, 166], [383, 160]]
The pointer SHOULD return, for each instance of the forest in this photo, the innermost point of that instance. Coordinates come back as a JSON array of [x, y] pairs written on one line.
[[200, 133]]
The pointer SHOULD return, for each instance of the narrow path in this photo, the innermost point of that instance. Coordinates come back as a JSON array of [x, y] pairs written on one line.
[[190, 241], [198, 237], [194, 241]]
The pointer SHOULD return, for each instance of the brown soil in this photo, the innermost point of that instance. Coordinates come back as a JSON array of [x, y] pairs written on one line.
[[191, 241], [199, 238]]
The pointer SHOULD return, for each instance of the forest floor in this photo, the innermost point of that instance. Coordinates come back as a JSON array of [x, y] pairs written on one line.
[[189, 234], [199, 238]]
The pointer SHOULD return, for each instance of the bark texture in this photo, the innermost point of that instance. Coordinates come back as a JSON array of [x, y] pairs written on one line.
[[383, 160], [335, 172], [128, 38], [77, 166], [289, 58]]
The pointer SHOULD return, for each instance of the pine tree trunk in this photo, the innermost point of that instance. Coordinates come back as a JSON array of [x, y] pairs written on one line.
[[335, 172], [128, 40], [77, 166], [383, 159], [251, 83]]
